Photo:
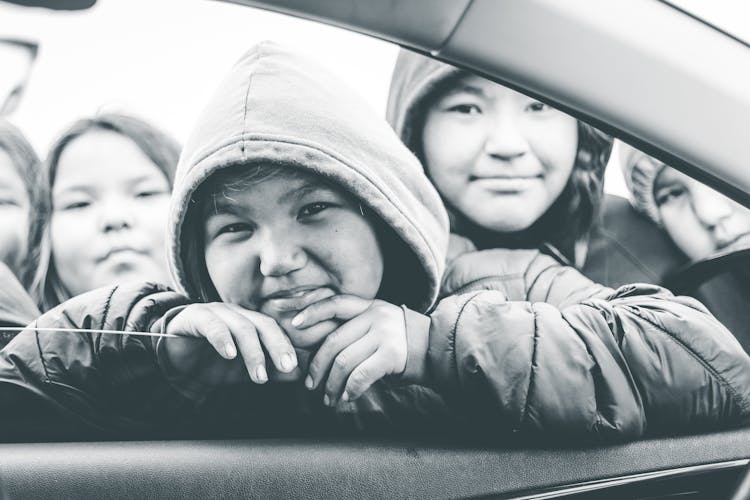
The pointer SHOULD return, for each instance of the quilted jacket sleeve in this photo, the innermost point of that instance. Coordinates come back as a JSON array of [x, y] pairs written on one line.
[[536, 346], [110, 381]]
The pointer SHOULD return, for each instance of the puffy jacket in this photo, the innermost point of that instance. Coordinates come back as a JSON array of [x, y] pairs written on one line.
[[550, 350], [17, 309], [522, 343], [112, 382]]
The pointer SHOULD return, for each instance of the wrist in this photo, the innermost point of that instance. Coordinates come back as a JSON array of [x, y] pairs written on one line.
[[417, 341]]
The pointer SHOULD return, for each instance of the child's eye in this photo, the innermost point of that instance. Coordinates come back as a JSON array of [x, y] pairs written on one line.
[[147, 193], [8, 202], [235, 227], [537, 107], [75, 205], [465, 109], [314, 208], [669, 195]]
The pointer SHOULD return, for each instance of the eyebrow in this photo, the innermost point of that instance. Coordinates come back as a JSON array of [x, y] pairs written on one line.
[[468, 89], [223, 204], [307, 187]]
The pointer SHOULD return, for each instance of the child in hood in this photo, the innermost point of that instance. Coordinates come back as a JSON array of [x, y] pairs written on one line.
[[301, 225], [516, 173], [703, 223]]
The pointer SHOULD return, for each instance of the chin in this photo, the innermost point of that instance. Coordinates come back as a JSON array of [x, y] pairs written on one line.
[[502, 225]]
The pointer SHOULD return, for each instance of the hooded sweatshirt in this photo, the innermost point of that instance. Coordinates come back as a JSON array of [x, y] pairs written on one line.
[[519, 342], [621, 247], [274, 107], [528, 343], [280, 108]]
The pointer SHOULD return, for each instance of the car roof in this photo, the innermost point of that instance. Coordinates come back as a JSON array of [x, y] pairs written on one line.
[[641, 69]]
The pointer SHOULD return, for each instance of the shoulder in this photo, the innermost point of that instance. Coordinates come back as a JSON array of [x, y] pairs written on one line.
[[131, 306], [510, 270]]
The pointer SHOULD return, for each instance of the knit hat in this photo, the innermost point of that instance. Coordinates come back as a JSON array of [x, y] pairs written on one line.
[[640, 171]]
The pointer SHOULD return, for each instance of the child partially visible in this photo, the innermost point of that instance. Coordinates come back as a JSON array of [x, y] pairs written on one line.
[[20, 190], [703, 223], [108, 180], [515, 172], [301, 226]]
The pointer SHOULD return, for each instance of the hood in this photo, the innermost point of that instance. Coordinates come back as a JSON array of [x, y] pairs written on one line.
[[415, 77], [276, 106], [640, 171], [415, 80]]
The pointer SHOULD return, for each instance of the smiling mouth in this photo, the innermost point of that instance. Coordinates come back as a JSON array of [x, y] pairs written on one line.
[[506, 184]]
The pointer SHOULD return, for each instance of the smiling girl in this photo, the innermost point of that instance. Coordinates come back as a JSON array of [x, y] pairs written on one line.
[[516, 173], [109, 178]]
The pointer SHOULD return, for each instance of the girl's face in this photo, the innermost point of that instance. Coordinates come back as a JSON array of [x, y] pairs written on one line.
[[14, 215], [290, 238], [109, 214], [497, 156], [699, 220]]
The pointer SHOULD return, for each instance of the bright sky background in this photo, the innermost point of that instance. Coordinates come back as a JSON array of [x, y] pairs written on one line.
[[162, 59]]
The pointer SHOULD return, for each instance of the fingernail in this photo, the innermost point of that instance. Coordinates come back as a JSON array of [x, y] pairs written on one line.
[[230, 351], [345, 396], [309, 382], [326, 400], [298, 319], [287, 362], [260, 374]]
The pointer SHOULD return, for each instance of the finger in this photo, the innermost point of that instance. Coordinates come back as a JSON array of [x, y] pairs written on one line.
[[200, 321], [295, 304], [246, 336], [311, 337], [367, 373], [344, 364], [338, 307], [273, 338], [341, 338]]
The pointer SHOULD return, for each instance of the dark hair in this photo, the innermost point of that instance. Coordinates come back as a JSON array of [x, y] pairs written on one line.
[[574, 212], [27, 164], [398, 260], [161, 149]]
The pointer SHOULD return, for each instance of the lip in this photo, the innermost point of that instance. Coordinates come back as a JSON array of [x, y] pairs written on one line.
[[117, 251], [290, 293], [506, 184], [740, 241], [292, 299]]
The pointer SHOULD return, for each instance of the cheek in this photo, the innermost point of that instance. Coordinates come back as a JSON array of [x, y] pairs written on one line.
[[686, 232], [13, 237], [232, 277], [555, 144], [69, 237], [359, 259], [449, 152], [742, 215]]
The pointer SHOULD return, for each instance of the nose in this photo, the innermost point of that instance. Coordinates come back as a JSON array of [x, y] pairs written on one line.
[[710, 207], [504, 139], [280, 254], [114, 216]]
